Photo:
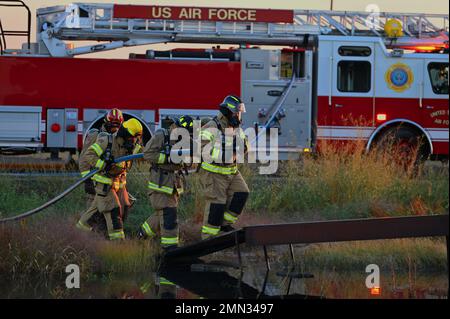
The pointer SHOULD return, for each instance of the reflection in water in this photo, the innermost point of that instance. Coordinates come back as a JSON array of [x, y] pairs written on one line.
[[213, 281], [223, 284]]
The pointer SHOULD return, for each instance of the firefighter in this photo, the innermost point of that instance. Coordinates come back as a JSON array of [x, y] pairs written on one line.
[[111, 196], [111, 123], [165, 185], [222, 184]]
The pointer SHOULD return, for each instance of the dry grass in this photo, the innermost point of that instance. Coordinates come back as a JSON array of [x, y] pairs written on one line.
[[347, 183], [44, 250]]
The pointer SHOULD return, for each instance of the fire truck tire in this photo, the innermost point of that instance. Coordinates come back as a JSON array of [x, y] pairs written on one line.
[[405, 145]]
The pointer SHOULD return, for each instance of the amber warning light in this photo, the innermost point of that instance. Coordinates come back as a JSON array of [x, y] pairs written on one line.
[[375, 291], [381, 117]]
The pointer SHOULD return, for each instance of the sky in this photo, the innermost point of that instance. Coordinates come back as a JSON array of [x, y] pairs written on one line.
[[13, 18]]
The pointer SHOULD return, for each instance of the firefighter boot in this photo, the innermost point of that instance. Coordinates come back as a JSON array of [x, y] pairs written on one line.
[[213, 219], [169, 229], [83, 222], [114, 224], [150, 228], [234, 210]]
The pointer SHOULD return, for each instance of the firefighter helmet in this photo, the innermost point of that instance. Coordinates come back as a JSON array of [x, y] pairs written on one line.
[[232, 103], [232, 107], [113, 119], [133, 126], [114, 116], [186, 122]]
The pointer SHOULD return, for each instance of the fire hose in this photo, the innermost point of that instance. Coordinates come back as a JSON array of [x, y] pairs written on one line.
[[67, 191], [277, 110]]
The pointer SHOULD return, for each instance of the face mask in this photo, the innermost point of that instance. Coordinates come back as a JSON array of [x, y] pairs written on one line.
[[112, 127]]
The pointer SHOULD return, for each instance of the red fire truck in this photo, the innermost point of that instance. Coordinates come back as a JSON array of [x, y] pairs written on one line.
[[341, 76]]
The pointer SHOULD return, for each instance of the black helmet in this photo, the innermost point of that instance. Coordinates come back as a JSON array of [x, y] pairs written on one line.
[[186, 122], [232, 103], [232, 107]]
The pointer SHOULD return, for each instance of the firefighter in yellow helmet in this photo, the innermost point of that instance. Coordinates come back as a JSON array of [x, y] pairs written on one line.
[[110, 193], [165, 185], [222, 184], [111, 123]]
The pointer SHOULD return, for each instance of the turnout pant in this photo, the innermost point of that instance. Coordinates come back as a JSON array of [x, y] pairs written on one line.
[[89, 200], [164, 222], [109, 202], [89, 189], [92, 217], [225, 198]]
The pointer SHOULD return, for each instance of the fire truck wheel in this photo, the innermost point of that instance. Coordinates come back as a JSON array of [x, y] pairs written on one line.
[[404, 146]]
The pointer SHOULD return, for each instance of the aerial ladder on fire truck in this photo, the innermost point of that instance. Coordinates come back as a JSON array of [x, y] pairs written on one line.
[[109, 23]]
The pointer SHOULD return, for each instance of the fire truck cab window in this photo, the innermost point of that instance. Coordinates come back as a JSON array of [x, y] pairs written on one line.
[[354, 76], [84, 13], [439, 77], [354, 51]]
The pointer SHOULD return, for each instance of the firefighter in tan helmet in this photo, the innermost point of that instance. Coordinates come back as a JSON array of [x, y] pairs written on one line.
[[165, 185], [222, 184], [111, 123], [111, 197]]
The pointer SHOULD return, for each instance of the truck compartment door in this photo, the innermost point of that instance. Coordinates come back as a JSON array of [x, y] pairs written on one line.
[[62, 128], [20, 125]]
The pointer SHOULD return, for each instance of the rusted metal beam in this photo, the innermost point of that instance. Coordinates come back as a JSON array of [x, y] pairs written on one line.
[[317, 232], [348, 230]]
